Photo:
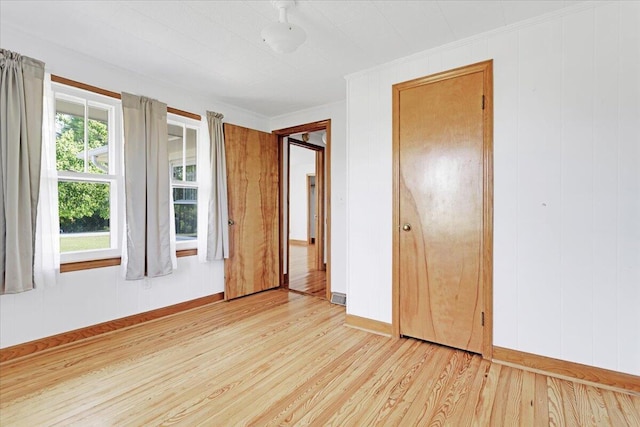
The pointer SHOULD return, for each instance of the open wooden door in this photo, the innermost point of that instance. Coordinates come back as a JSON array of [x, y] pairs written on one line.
[[253, 188]]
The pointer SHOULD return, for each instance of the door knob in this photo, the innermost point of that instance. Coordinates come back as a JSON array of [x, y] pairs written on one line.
[[406, 227], [231, 222]]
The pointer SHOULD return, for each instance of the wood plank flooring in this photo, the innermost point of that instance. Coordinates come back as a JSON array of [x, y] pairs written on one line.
[[303, 275], [281, 358]]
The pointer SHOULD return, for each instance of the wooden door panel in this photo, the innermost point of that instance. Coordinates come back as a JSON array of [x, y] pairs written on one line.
[[253, 189], [441, 197]]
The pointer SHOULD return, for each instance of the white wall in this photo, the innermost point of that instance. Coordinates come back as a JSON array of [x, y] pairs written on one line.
[[88, 297], [302, 161], [337, 113], [566, 182], [92, 296]]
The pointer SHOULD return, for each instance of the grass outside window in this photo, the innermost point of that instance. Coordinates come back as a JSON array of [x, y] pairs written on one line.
[[80, 242]]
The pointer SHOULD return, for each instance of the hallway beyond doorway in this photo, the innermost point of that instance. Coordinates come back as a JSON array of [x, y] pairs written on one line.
[[303, 275]]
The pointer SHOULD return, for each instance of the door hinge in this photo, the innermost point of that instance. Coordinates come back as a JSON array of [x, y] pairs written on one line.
[[483, 318], [483, 102]]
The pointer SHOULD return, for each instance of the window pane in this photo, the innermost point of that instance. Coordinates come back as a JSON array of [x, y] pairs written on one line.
[[175, 151], [84, 216], [185, 205], [176, 173], [69, 136], [191, 173], [191, 150], [98, 141]]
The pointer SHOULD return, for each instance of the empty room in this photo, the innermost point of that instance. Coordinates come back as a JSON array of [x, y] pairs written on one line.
[[315, 212]]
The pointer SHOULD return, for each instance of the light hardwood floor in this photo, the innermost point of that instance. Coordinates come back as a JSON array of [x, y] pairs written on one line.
[[303, 275], [280, 358]]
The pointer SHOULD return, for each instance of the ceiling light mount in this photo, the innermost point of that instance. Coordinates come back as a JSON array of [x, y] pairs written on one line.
[[282, 36]]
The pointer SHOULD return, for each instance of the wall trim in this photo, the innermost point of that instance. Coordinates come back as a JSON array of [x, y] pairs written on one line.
[[116, 95], [571, 371], [368, 325], [67, 267], [186, 252], [42, 344]]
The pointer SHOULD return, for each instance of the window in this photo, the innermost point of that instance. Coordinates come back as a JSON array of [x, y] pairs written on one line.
[[88, 163], [183, 156], [90, 166]]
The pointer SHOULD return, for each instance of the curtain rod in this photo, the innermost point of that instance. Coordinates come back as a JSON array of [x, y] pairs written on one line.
[[95, 89]]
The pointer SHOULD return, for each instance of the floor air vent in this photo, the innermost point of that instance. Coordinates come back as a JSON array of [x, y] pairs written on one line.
[[338, 298]]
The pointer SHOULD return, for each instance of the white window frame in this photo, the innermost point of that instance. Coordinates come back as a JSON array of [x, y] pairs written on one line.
[[186, 123], [114, 178]]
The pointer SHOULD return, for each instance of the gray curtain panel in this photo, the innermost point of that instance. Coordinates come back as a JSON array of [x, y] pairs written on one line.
[[21, 92], [147, 187], [218, 234]]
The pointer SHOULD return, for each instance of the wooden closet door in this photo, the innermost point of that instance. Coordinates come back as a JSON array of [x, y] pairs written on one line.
[[441, 211], [253, 189]]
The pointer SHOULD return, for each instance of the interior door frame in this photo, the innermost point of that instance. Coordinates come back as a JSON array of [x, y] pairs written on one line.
[[310, 205], [319, 174], [486, 67], [324, 211]]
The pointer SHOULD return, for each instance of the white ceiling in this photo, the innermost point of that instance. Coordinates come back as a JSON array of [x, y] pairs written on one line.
[[214, 47]]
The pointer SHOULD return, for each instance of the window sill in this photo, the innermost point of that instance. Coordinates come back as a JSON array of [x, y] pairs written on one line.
[[110, 262], [186, 252]]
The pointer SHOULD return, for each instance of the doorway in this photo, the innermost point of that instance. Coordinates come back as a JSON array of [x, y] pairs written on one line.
[[305, 213], [443, 208], [305, 272]]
